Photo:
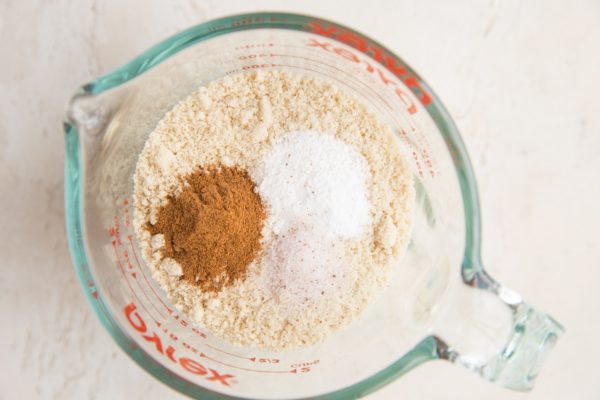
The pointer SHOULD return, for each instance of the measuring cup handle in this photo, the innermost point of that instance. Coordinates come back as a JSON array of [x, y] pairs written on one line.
[[503, 339]]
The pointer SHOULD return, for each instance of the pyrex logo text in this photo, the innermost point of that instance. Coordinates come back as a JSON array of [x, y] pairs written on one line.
[[380, 55], [192, 366]]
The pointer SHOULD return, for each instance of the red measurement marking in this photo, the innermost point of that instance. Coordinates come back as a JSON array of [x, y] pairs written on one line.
[[163, 348], [258, 66], [147, 298], [199, 333], [305, 364], [419, 168], [254, 56], [130, 238], [126, 213], [134, 275], [341, 72], [225, 352], [350, 56], [114, 244], [203, 355], [115, 230], [93, 290], [423, 152], [265, 360], [414, 153], [252, 21], [362, 45], [126, 256], [127, 220], [183, 322], [166, 331], [301, 370], [253, 45]]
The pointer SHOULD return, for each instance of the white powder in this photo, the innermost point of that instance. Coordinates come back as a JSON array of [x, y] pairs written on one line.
[[308, 174], [315, 188], [305, 264]]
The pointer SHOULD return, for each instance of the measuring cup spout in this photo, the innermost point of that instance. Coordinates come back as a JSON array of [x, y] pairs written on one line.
[[90, 113], [491, 331]]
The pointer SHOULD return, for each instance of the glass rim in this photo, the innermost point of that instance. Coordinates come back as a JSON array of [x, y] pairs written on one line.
[[471, 265]]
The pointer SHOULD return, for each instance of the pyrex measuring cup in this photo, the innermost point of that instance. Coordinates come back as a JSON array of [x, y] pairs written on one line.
[[440, 303]]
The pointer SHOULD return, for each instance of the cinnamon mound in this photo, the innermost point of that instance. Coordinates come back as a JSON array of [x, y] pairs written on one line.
[[213, 227]]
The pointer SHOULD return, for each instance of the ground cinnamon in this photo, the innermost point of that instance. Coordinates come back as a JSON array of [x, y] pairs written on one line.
[[213, 227]]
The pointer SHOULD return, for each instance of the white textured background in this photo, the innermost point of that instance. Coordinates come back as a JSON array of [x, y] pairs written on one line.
[[521, 79]]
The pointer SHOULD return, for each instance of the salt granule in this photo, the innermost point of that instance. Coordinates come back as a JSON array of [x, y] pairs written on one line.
[[306, 264], [314, 175]]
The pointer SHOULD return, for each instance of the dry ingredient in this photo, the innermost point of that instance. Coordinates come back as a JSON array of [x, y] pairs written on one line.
[[315, 186], [339, 265], [308, 174], [307, 265], [212, 229]]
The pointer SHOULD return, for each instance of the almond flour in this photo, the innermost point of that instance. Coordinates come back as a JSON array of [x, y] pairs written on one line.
[[236, 121]]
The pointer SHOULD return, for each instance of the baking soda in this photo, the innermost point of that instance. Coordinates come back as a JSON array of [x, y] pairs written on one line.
[[308, 174]]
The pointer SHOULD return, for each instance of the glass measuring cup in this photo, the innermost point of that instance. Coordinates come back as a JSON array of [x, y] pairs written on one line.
[[440, 304]]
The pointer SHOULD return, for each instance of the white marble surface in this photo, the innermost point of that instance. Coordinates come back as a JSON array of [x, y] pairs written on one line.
[[520, 78]]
